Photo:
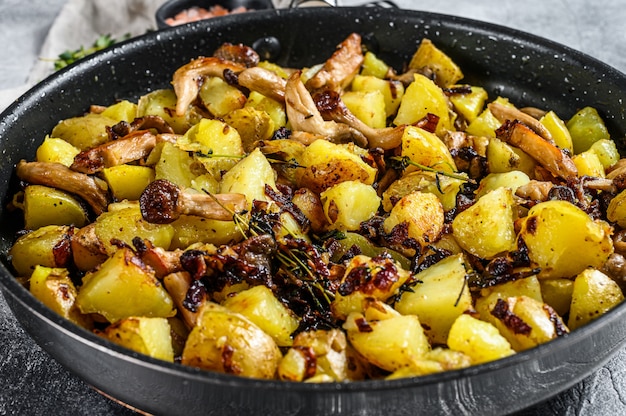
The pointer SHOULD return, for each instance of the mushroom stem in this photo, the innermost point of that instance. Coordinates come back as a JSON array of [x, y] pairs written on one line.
[[304, 115], [263, 81], [518, 134], [339, 70], [535, 190], [61, 177], [601, 184], [162, 202], [188, 78], [136, 145], [177, 285], [332, 107]]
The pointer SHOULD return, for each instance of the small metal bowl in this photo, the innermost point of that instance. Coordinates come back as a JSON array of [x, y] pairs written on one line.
[[172, 7]]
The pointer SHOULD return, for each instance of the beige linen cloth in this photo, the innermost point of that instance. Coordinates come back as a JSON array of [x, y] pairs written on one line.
[[81, 22]]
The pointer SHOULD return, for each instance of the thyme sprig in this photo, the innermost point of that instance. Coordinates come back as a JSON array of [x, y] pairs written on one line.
[[210, 155], [298, 270], [295, 263], [402, 162], [291, 163]]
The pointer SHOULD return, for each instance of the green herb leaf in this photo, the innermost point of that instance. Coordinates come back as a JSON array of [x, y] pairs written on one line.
[[69, 57]]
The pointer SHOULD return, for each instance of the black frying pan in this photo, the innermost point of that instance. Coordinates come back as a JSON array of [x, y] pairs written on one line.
[[527, 69]]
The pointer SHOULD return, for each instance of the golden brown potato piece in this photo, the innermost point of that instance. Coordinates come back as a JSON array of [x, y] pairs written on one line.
[[122, 287], [480, 340], [322, 355], [47, 246], [486, 228], [594, 293], [149, 336], [563, 240], [439, 298], [391, 343], [348, 204], [326, 164], [228, 342], [423, 213], [446, 71], [259, 305], [525, 322], [55, 289], [87, 249]]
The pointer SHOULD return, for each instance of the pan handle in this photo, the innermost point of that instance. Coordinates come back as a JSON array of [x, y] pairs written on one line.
[[384, 3], [294, 4], [333, 3]]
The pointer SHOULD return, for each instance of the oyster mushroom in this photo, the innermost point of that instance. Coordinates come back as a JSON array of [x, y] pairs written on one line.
[[134, 146], [617, 174], [177, 285], [304, 115], [407, 77], [188, 78], [332, 107], [518, 134], [615, 267], [263, 81], [151, 122], [535, 190], [162, 202], [59, 176], [147, 122], [339, 70], [238, 53], [601, 184], [508, 113]]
